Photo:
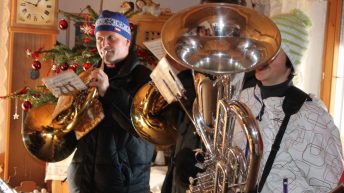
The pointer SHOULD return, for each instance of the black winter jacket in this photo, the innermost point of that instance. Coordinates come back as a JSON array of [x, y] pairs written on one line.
[[181, 165], [112, 158]]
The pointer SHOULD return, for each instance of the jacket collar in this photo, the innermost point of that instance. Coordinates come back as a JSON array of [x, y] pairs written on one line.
[[275, 90], [123, 68]]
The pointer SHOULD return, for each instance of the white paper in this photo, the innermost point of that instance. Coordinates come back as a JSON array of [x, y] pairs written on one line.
[[64, 83], [155, 46], [166, 81]]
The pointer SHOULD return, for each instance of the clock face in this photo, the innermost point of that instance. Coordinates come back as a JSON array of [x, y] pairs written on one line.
[[36, 12]]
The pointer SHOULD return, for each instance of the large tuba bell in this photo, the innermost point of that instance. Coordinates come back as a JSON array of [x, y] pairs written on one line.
[[220, 42], [50, 131]]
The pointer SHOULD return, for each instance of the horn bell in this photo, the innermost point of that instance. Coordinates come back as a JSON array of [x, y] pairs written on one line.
[[43, 140], [152, 117]]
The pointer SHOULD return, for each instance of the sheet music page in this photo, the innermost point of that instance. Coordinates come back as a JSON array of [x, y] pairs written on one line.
[[166, 81], [155, 46], [64, 83]]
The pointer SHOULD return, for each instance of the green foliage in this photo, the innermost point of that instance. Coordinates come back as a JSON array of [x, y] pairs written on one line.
[[38, 96], [62, 54]]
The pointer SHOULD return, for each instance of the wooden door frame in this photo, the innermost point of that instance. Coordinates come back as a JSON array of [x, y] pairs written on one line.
[[331, 48]]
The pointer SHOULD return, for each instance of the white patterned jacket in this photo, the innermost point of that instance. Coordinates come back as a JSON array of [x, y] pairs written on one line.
[[310, 155]]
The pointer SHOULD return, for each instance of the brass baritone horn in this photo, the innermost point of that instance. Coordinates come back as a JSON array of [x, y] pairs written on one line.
[[220, 42]]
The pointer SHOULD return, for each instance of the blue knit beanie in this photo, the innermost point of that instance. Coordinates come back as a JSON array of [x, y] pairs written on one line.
[[113, 21]]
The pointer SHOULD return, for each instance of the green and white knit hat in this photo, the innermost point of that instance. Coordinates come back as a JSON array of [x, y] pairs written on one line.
[[294, 32]]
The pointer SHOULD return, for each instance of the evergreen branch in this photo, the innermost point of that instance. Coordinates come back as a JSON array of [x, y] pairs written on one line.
[[92, 13]]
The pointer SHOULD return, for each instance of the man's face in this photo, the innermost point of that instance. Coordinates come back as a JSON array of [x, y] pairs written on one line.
[[275, 72], [112, 47]]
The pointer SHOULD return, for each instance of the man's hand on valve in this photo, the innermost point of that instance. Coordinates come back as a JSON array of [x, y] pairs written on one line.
[[99, 80]]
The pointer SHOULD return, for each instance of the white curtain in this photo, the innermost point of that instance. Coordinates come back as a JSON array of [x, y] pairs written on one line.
[[4, 37]]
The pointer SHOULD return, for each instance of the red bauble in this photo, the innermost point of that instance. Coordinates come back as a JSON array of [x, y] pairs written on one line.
[[36, 95], [86, 40], [63, 24], [91, 32], [74, 65], [93, 50], [36, 65], [86, 66], [64, 66], [131, 25], [35, 55], [26, 105], [57, 70]]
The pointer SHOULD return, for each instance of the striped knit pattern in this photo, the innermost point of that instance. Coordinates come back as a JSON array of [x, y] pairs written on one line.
[[293, 27]]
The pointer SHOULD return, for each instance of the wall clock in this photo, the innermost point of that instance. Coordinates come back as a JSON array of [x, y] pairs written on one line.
[[38, 13]]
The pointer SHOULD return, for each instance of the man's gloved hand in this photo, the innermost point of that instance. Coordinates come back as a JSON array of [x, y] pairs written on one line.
[[185, 163]]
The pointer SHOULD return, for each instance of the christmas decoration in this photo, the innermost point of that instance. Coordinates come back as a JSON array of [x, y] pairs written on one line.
[[26, 105], [86, 40], [132, 26], [64, 66], [63, 24], [73, 67], [91, 32], [36, 96], [36, 65], [86, 66], [16, 115], [34, 74], [88, 29]]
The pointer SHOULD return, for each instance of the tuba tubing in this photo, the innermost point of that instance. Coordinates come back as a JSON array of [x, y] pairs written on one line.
[[255, 142]]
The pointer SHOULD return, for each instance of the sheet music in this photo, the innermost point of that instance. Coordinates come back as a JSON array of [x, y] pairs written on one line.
[[64, 83], [155, 46], [166, 81]]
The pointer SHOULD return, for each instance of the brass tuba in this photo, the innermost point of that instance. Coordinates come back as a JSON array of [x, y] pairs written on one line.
[[220, 42]]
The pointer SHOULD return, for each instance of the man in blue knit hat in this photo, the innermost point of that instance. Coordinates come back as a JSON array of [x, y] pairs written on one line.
[[112, 158]]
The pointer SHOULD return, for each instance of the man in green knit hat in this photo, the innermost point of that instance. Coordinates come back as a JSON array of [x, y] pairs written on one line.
[[302, 147]]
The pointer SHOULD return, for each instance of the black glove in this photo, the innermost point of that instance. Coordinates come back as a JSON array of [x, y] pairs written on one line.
[[185, 163]]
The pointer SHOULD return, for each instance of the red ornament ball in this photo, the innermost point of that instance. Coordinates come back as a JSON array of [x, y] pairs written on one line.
[[26, 105], [71, 69], [36, 65], [86, 66], [35, 55], [63, 24], [131, 25], [64, 66], [91, 32], [36, 95], [75, 65], [57, 70], [86, 40]]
